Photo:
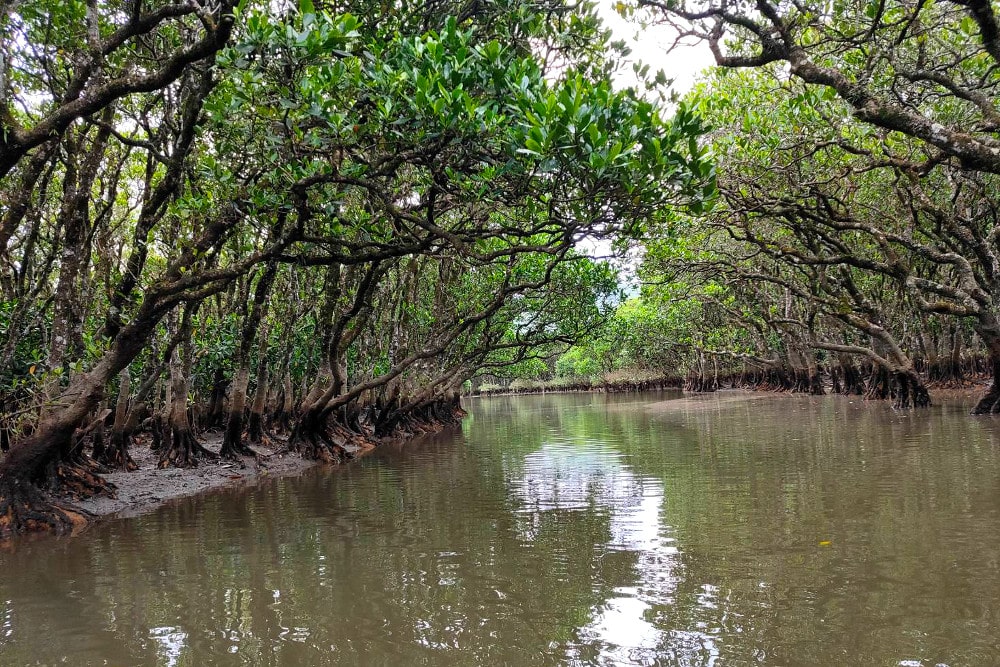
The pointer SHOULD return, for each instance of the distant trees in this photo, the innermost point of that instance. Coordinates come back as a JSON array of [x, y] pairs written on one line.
[[857, 218]]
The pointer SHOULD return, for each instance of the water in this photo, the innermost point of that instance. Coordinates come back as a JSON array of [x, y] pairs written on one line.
[[563, 529]]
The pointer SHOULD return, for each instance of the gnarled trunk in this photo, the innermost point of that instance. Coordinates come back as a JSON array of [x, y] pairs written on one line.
[[180, 447], [990, 403], [114, 453]]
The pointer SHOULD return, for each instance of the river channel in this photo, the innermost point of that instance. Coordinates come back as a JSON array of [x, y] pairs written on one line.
[[574, 529]]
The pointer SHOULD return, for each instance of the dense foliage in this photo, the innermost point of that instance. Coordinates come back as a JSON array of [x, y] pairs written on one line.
[[854, 244], [289, 219]]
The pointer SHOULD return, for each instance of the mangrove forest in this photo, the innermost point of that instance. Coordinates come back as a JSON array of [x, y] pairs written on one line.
[[314, 226]]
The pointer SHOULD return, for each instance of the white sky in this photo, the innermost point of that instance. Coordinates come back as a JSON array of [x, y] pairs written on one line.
[[650, 46]]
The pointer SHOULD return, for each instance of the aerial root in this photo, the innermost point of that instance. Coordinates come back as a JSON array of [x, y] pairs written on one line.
[[26, 509]]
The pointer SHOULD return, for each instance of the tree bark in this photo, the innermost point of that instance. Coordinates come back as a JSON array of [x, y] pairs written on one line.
[[115, 453], [233, 445], [181, 448], [990, 403], [255, 425]]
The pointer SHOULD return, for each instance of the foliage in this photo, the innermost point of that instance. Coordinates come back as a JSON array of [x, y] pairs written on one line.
[[332, 211]]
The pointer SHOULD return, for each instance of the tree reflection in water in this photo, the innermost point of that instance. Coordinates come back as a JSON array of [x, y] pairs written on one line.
[[579, 529]]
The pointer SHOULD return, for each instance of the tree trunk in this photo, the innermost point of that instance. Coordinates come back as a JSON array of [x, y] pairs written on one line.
[[851, 381], [181, 448], [233, 446], [910, 392], [282, 418], [990, 403], [83, 159], [957, 343], [216, 414], [115, 454], [255, 426], [880, 383]]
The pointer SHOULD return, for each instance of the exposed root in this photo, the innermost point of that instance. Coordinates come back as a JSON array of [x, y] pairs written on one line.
[[880, 385], [430, 419], [852, 384], [701, 384], [235, 451], [24, 509], [184, 451], [265, 440], [323, 447], [256, 433], [319, 444], [81, 481], [115, 455], [280, 422], [910, 392]]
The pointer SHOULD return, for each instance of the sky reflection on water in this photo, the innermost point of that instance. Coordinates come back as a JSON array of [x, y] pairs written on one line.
[[575, 529]]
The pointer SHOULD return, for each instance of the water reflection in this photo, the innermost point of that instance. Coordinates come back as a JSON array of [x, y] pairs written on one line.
[[170, 642], [590, 475], [582, 530], [621, 630]]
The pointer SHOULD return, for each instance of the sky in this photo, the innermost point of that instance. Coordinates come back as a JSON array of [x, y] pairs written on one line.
[[650, 46]]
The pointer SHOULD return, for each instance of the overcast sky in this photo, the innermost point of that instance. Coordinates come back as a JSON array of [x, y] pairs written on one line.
[[650, 46]]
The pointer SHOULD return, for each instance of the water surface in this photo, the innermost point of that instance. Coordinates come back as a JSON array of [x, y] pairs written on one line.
[[570, 529]]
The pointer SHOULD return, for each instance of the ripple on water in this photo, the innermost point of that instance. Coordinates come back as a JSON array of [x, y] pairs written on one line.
[[582, 530]]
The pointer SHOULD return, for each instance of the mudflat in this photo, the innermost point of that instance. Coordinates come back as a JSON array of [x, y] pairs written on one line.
[[149, 487]]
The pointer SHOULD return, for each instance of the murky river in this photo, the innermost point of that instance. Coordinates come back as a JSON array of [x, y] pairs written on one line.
[[563, 529]]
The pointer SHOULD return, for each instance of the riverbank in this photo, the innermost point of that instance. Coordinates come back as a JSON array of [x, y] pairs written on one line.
[[86, 492], [970, 389], [150, 487]]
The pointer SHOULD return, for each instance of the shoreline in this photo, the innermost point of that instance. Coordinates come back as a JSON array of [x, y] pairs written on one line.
[[149, 488], [946, 391]]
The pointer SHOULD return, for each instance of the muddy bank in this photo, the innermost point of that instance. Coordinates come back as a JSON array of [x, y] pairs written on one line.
[[150, 487], [198, 466], [956, 396]]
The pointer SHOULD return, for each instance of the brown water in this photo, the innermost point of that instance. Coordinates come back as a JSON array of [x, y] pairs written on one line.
[[564, 529]]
